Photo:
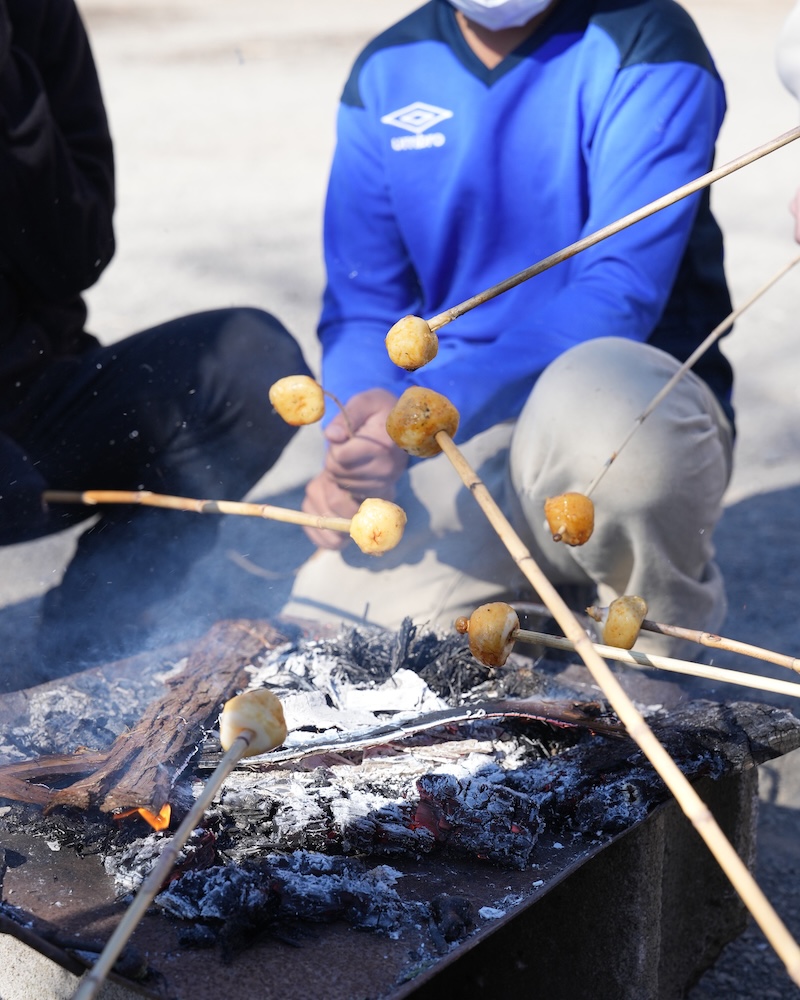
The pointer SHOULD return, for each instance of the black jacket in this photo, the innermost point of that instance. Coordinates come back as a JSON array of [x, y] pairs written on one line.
[[56, 189]]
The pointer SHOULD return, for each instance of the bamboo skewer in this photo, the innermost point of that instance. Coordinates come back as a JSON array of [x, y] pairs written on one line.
[[149, 889], [145, 498], [709, 639], [635, 658], [698, 352], [706, 180], [714, 641], [376, 527], [689, 801]]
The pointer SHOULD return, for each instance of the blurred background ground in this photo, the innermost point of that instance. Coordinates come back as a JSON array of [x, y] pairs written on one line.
[[223, 119]]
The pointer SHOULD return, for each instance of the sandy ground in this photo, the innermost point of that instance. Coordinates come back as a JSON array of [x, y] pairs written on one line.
[[223, 118]]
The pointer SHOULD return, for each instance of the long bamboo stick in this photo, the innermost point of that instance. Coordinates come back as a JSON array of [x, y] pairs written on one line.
[[713, 641], [149, 889], [443, 318], [698, 352], [145, 498], [635, 658], [689, 801]]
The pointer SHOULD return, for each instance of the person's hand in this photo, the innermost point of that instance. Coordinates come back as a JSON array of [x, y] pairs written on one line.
[[794, 208], [324, 497], [366, 464], [369, 463]]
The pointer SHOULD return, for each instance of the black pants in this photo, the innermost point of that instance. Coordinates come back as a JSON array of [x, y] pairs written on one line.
[[182, 408]]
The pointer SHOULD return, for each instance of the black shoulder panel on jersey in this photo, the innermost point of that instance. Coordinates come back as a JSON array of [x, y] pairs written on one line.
[[652, 31], [418, 26]]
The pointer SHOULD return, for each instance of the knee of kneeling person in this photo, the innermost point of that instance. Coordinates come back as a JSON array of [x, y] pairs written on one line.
[[259, 338]]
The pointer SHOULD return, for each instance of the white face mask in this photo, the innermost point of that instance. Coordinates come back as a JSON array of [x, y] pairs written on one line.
[[498, 14]]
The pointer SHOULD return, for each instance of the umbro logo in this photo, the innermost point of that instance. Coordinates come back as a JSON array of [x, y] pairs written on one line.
[[417, 118]]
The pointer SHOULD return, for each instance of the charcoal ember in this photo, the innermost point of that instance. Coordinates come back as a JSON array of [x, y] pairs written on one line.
[[196, 936], [391, 830], [742, 734], [452, 918], [86, 833], [480, 815], [596, 788], [301, 886], [220, 894], [278, 810], [613, 808], [373, 807]]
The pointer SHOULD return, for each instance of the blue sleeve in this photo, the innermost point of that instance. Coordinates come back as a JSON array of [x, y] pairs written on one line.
[[370, 280], [656, 131]]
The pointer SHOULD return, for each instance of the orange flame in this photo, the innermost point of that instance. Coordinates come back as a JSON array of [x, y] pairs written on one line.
[[158, 822]]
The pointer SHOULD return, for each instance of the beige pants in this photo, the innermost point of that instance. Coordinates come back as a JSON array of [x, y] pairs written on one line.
[[655, 509]]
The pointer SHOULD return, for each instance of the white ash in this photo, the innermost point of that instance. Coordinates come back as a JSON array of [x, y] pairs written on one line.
[[90, 710], [130, 864], [365, 659], [317, 698], [351, 807]]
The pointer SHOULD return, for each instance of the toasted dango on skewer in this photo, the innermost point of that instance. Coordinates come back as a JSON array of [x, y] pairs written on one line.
[[492, 635], [709, 639], [491, 630], [570, 517], [252, 723], [676, 781], [417, 420], [300, 400], [411, 343], [623, 620], [376, 527]]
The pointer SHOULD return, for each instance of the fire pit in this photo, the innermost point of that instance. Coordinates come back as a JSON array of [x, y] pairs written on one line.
[[430, 823]]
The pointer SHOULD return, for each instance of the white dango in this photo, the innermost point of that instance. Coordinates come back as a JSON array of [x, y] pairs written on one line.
[[622, 621], [377, 525], [298, 399], [491, 630], [260, 712]]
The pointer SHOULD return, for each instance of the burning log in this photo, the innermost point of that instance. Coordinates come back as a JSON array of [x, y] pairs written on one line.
[[139, 769]]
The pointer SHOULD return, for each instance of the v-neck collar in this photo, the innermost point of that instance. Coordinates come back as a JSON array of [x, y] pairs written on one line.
[[454, 37]]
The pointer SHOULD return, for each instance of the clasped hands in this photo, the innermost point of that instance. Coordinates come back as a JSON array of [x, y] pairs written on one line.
[[368, 464]]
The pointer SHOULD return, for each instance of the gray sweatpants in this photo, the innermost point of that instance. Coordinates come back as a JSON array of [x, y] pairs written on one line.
[[655, 509]]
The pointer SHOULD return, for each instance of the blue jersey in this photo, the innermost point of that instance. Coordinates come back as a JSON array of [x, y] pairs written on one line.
[[449, 177]]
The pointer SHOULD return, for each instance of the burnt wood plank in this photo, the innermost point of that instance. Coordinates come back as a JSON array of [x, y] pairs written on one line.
[[138, 769]]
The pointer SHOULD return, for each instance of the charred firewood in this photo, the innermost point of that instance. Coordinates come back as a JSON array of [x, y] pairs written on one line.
[[140, 767]]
